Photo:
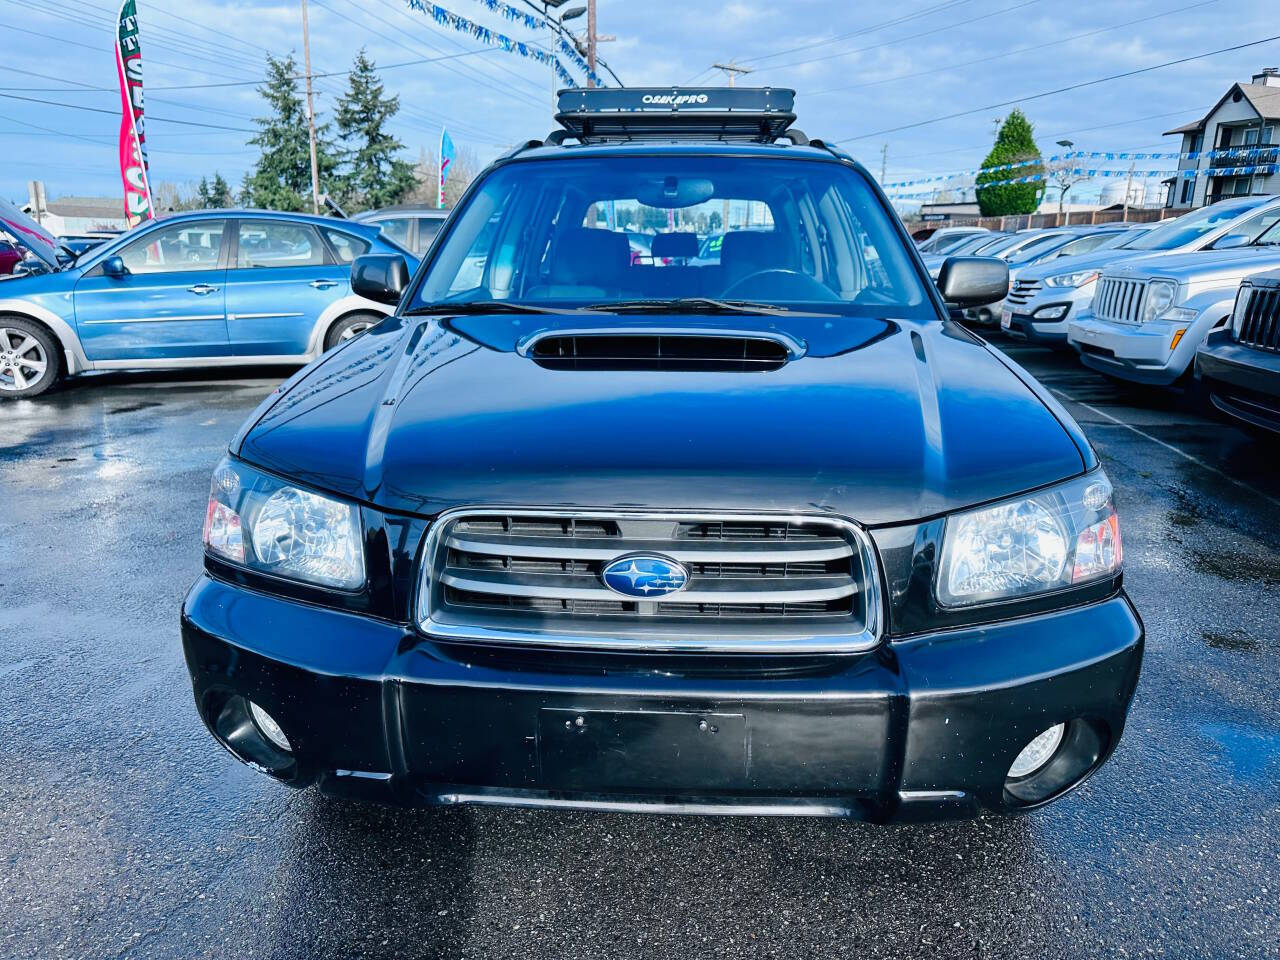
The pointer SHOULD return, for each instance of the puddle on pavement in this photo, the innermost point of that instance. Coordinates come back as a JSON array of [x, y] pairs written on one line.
[[134, 407], [1239, 567], [1231, 640]]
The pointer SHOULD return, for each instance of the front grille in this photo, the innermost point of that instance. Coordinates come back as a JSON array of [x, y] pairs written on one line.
[[755, 584], [1260, 327], [1023, 292], [1118, 299]]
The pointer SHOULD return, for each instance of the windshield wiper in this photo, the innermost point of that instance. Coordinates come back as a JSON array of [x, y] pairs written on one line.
[[701, 305], [487, 306]]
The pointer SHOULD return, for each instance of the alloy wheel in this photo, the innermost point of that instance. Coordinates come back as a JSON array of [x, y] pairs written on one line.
[[23, 362], [357, 328]]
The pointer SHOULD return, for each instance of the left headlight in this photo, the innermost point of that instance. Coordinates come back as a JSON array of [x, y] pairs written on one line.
[[1078, 279], [1159, 298], [1058, 538], [274, 527]]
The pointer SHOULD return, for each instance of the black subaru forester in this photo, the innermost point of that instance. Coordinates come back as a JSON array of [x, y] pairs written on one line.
[[670, 486]]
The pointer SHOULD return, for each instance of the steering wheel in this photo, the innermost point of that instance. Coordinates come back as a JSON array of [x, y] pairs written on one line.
[[776, 283]]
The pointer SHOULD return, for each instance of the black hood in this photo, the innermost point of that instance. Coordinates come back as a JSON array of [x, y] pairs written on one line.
[[880, 421]]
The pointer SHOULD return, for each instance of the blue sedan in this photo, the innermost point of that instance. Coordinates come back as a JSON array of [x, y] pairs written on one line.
[[202, 289]]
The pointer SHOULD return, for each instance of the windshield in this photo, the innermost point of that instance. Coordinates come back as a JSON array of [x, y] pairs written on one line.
[[780, 232], [1191, 226], [1034, 248], [970, 245], [948, 243]]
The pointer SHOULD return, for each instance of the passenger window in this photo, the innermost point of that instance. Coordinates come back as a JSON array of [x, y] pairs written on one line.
[[274, 243], [397, 229], [427, 230], [172, 249], [346, 246]]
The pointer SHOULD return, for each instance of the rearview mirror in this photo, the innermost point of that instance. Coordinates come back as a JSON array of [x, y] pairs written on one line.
[[114, 267], [381, 277], [973, 281]]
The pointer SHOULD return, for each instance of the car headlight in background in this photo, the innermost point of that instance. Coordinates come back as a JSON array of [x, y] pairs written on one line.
[[1242, 307], [1159, 298], [1061, 537], [1078, 279], [271, 526], [1056, 312]]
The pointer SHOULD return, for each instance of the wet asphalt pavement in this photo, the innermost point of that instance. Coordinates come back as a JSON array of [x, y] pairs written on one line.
[[126, 832]]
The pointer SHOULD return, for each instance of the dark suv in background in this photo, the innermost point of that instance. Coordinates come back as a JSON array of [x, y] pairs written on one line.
[[1239, 364], [731, 535]]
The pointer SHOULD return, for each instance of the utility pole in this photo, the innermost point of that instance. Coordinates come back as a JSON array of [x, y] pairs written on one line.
[[591, 43], [1128, 191], [731, 70], [884, 162], [311, 113]]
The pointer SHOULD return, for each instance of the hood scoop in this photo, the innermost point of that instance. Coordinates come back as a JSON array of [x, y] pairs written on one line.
[[665, 349]]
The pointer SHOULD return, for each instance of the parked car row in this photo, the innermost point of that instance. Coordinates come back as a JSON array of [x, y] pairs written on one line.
[[1187, 302], [201, 289]]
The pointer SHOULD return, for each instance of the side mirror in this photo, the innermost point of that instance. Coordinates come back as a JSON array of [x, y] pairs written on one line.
[[114, 267], [1232, 240], [973, 281], [381, 277]]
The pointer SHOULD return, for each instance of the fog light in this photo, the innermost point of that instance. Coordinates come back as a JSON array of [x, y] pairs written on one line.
[[1036, 753], [268, 727]]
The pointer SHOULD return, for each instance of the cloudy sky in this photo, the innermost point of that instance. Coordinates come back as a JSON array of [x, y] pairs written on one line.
[[867, 74]]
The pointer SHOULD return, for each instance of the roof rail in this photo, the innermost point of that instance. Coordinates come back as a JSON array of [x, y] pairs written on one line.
[[743, 114]]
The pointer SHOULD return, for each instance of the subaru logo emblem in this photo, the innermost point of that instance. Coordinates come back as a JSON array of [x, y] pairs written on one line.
[[644, 576]]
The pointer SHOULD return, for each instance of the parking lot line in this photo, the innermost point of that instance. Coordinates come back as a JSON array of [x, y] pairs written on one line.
[[1168, 446]]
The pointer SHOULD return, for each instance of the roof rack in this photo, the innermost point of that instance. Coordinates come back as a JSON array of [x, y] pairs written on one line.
[[743, 114]]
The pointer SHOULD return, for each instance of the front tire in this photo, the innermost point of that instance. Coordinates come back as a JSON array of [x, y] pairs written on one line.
[[30, 358], [349, 327]]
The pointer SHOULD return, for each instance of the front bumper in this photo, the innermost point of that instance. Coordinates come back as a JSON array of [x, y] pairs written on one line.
[[1243, 382], [1023, 325], [922, 728], [1138, 352]]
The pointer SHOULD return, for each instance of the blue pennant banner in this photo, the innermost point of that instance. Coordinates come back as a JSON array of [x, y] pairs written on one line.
[[1241, 153], [530, 22]]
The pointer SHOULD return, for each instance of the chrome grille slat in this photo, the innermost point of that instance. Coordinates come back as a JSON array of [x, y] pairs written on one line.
[[1261, 326], [755, 583], [1023, 292], [575, 586], [692, 550], [1118, 299]]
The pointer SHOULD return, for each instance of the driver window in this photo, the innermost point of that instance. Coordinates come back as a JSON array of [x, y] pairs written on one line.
[[182, 246]]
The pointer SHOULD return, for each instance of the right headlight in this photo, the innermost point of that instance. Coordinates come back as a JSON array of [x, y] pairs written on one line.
[[258, 521], [1079, 278], [1242, 307], [1159, 298], [1058, 538]]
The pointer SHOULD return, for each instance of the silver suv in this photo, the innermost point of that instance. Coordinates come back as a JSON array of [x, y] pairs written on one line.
[[1150, 314], [1046, 298]]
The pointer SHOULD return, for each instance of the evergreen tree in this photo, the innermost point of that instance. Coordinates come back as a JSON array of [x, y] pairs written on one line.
[[220, 192], [372, 173], [202, 194], [281, 179], [1014, 143]]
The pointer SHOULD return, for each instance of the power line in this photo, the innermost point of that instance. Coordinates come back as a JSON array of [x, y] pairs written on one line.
[[862, 31], [151, 118], [912, 36], [1010, 53], [1054, 92]]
